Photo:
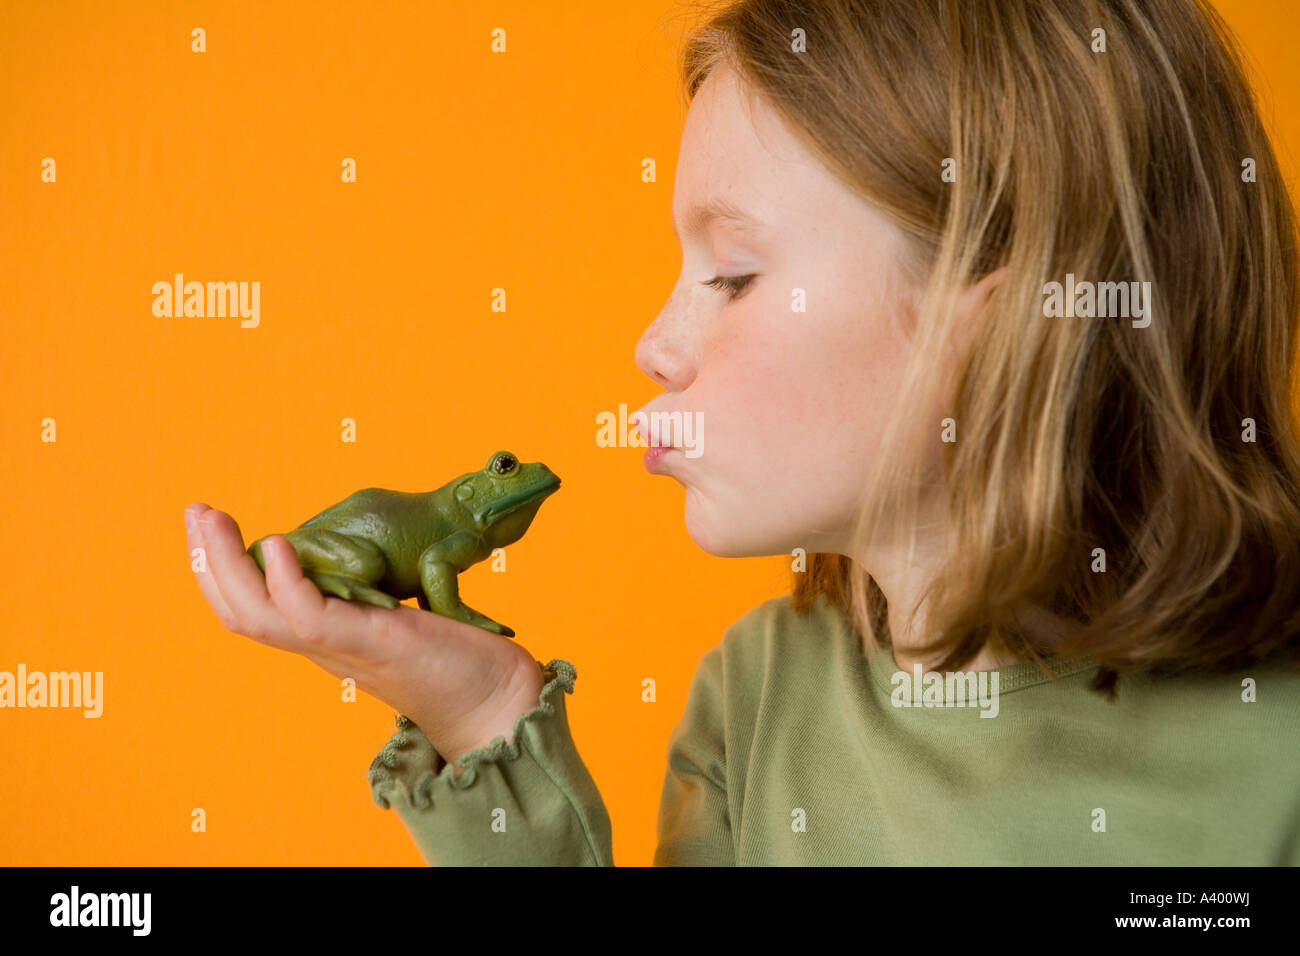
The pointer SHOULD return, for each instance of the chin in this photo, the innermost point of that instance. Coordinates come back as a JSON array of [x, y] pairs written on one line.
[[714, 536]]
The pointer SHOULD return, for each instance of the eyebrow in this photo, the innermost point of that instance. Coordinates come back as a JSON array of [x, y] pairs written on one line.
[[699, 217]]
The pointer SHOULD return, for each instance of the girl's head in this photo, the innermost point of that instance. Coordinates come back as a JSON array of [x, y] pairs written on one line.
[[791, 357], [919, 173]]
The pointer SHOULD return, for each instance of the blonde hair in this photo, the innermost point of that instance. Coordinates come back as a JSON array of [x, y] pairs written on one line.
[[1073, 433]]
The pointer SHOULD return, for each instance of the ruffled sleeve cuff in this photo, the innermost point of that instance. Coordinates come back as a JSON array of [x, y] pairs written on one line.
[[527, 802], [409, 766]]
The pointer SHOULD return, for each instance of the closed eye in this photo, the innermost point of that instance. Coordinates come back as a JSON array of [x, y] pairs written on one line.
[[732, 285]]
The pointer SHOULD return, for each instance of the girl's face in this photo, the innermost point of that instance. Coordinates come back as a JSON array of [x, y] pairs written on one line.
[[792, 379]]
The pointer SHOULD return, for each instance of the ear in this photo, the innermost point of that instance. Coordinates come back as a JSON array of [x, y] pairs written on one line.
[[976, 297], [970, 304]]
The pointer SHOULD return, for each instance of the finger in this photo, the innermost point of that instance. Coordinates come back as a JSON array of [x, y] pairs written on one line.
[[327, 625], [194, 539], [240, 582]]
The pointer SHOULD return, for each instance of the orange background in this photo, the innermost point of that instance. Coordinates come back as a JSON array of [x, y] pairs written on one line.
[[475, 170]]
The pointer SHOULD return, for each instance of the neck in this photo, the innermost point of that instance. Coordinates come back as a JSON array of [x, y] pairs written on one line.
[[903, 582]]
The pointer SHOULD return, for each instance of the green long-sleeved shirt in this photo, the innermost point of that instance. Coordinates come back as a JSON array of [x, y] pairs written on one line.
[[794, 750]]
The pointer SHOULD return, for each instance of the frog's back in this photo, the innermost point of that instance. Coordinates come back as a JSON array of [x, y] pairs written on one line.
[[383, 516]]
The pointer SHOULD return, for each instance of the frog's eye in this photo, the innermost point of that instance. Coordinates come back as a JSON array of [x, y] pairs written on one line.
[[503, 464]]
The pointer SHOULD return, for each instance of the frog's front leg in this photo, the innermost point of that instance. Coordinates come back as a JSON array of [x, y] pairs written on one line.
[[442, 588]]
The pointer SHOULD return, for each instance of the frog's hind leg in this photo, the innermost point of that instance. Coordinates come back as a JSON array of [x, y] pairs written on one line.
[[339, 564], [350, 589]]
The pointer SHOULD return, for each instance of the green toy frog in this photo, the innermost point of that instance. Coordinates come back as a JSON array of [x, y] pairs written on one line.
[[381, 546]]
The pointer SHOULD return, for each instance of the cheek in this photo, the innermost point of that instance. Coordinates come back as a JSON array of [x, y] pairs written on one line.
[[779, 434], [860, 365], [762, 382], [803, 391]]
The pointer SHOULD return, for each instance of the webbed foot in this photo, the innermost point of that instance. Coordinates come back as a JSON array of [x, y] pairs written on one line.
[[463, 612]]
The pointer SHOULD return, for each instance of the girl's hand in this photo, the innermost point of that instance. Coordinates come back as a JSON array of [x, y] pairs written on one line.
[[461, 685]]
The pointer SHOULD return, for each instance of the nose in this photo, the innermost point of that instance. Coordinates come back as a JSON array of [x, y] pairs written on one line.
[[661, 353]]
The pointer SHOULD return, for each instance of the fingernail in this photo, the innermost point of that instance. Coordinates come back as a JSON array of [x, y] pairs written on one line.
[[266, 551], [189, 520]]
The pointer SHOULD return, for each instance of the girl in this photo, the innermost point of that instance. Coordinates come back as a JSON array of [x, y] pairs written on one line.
[[990, 309]]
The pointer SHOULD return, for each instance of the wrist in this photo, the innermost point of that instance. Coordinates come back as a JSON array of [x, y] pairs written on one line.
[[521, 695]]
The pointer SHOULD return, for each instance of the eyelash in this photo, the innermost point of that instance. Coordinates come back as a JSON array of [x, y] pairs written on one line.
[[732, 285]]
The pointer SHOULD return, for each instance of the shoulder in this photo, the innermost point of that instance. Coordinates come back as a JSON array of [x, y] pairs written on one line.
[[776, 621], [1270, 686], [773, 641], [773, 666]]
